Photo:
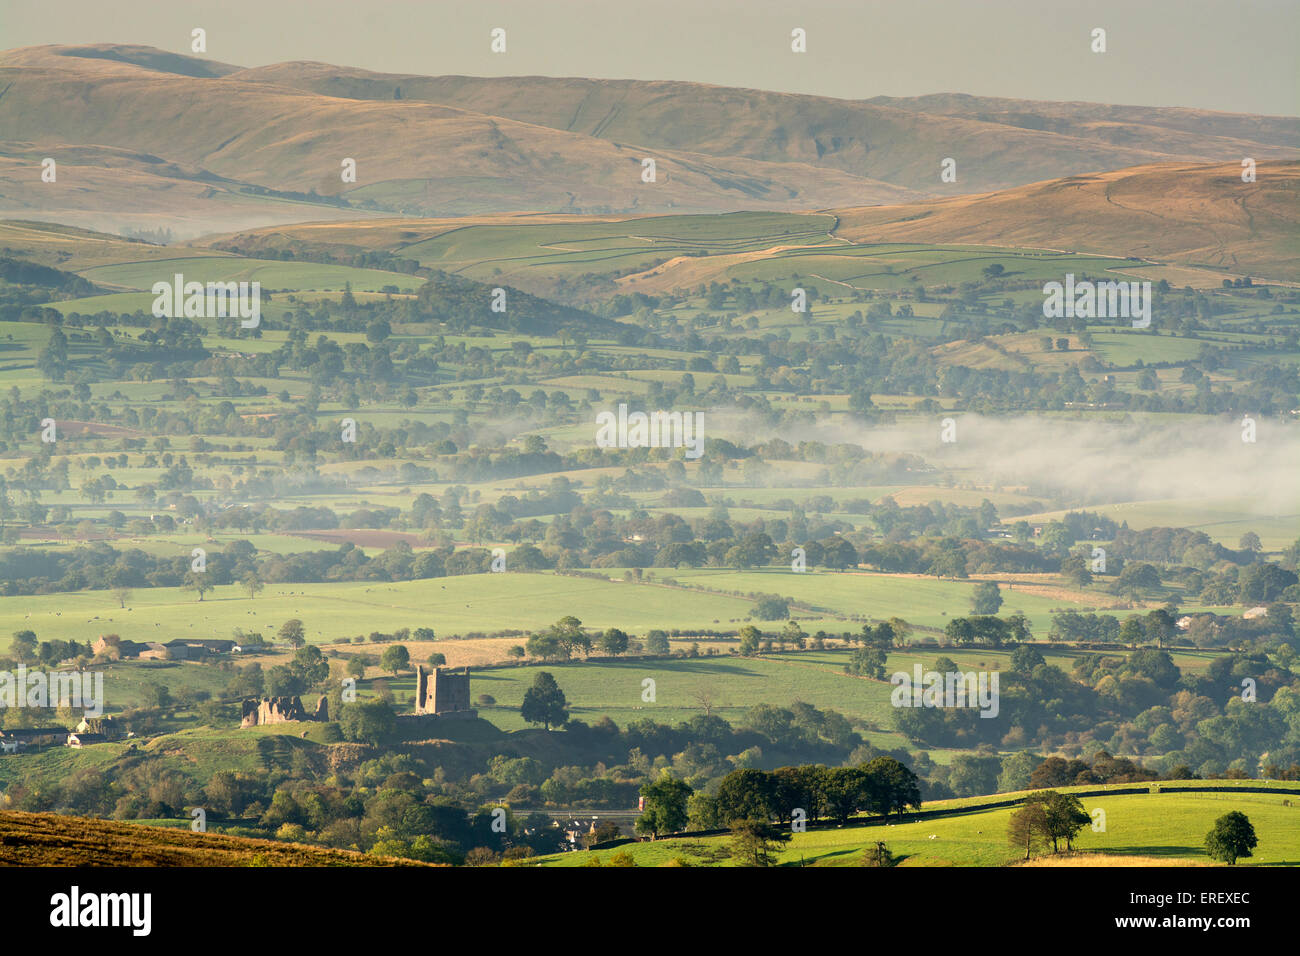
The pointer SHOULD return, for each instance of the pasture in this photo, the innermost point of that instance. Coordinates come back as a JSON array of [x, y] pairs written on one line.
[[1166, 827]]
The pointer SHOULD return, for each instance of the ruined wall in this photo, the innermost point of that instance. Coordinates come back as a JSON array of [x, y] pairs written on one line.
[[280, 710]]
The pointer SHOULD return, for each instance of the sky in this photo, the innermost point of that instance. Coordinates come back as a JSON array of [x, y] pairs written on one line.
[[1232, 55]]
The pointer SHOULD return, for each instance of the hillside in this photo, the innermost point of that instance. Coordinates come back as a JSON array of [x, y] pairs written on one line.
[[146, 138], [48, 839], [412, 157], [1169, 129], [1191, 215], [1174, 212], [897, 142]]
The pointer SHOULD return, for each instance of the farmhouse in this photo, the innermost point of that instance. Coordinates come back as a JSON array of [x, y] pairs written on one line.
[[85, 740], [98, 725]]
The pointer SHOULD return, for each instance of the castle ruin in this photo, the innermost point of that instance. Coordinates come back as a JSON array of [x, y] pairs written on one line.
[[280, 710], [442, 692]]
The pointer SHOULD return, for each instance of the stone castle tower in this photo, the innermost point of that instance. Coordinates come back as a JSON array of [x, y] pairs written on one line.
[[441, 692]]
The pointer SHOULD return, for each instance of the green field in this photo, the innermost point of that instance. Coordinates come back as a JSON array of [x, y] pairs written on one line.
[[451, 605], [1164, 826], [928, 602]]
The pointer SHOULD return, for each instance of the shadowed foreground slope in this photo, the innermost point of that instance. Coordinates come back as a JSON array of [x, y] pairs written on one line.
[[47, 839]]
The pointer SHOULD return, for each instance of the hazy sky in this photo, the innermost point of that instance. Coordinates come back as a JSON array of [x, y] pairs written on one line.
[[1236, 55]]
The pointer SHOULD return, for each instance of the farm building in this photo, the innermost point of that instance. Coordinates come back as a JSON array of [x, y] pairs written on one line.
[[20, 738], [98, 725]]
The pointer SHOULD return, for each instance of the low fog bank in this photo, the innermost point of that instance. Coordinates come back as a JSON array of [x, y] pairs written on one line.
[[1089, 462]]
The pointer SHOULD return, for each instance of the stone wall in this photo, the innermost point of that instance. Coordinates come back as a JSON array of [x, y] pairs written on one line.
[[280, 710]]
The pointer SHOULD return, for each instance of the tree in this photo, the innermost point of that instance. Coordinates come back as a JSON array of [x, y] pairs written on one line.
[[253, 585], [746, 794], [838, 554], [792, 633], [569, 635], [986, 598], [155, 694], [1232, 838], [892, 786], [959, 630], [1161, 625], [1074, 568], [395, 658], [439, 659], [292, 633], [1264, 582], [1133, 630], [198, 582], [1138, 577], [544, 702], [122, 595], [23, 646], [546, 646], [656, 643], [613, 641], [901, 630], [877, 854], [310, 665], [706, 696], [1064, 816], [846, 789], [665, 806], [881, 637], [867, 662], [370, 722], [772, 609], [1250, 542], [1028, 828], [749, 638], [755, 842], [53, 358], [1016, 770]]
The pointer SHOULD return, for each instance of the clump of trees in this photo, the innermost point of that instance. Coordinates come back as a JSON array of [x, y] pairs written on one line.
[[1047, 817]]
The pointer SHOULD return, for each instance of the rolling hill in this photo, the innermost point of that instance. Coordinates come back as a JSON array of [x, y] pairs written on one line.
[[996, 143], [1201, 214], [147, 138], [412, 157], [1191, 215]]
